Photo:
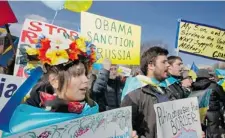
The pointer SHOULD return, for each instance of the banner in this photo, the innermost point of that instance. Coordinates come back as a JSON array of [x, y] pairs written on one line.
[[178, 119], [31, 34], [201, 39], [110, 124], [8, 86], [116, 40]]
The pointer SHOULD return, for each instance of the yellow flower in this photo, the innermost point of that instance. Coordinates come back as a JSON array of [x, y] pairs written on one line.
[[57, 56], [32, 51], [81, 44], [30, 66]]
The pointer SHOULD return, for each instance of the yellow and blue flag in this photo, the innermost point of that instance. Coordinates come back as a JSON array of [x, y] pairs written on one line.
[[203, 100], [193, 71], [8, 54], [139, 81], [222, 83], [220, 73]]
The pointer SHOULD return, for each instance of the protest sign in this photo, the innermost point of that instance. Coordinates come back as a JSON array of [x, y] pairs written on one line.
[[8, 86], [8, 110], [178, 119], [116, 40], [110, 124], [123, 71], [201, 39], [30, 36]]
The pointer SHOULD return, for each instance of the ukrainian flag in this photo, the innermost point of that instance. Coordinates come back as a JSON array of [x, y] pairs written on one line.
[[203, 100], [220, 73], [193, 71], [222, 83], [8, 54], [3, 29], [133, 83]]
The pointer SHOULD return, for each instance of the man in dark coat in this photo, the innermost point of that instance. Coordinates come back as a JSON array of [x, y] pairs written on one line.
[[175, 70], [107, 88], [154, 65], [214, 124]]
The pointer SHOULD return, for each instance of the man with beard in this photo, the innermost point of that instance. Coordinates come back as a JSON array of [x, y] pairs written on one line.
[[154, 66], [175, 75]]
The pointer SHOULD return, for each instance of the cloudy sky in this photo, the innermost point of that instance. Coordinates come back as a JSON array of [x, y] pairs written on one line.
[[158, 19]]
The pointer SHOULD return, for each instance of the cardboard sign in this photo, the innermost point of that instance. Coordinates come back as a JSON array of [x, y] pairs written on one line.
[[8, 86], [201, 39], [116, 40], [178, 119], [110, 124]]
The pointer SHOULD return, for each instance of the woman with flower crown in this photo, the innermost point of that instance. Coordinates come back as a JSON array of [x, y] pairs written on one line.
[[68, 69]]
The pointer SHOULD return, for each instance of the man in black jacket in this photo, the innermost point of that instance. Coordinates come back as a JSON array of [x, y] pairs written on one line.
[[214, 118], [154, 65], [107, 88], [175, 70]]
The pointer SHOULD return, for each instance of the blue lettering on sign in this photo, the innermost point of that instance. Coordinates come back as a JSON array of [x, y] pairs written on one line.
[[7, 90]]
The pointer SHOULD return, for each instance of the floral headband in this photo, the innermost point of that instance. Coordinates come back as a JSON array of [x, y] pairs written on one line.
[[46, 53]]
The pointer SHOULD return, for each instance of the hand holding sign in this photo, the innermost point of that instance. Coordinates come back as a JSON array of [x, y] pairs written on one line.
[[107, 64], [134, 134]]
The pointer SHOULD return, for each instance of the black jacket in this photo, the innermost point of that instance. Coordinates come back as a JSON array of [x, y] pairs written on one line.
[[214, 123], [34, 99], [178, 90], [107, 92], [143, 114]]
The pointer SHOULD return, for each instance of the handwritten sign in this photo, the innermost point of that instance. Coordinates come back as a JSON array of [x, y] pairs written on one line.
[[110, 124], [8, 86], [178, 119], [114, 39], [201, 40], [32, 30], [124, 71]]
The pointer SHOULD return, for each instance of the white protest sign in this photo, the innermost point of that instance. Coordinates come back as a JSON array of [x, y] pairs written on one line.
[[110, 124], [124, 71], [178, 119], [8, 85]]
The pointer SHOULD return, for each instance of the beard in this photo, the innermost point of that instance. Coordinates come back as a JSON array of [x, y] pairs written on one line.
[[159, 75]]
